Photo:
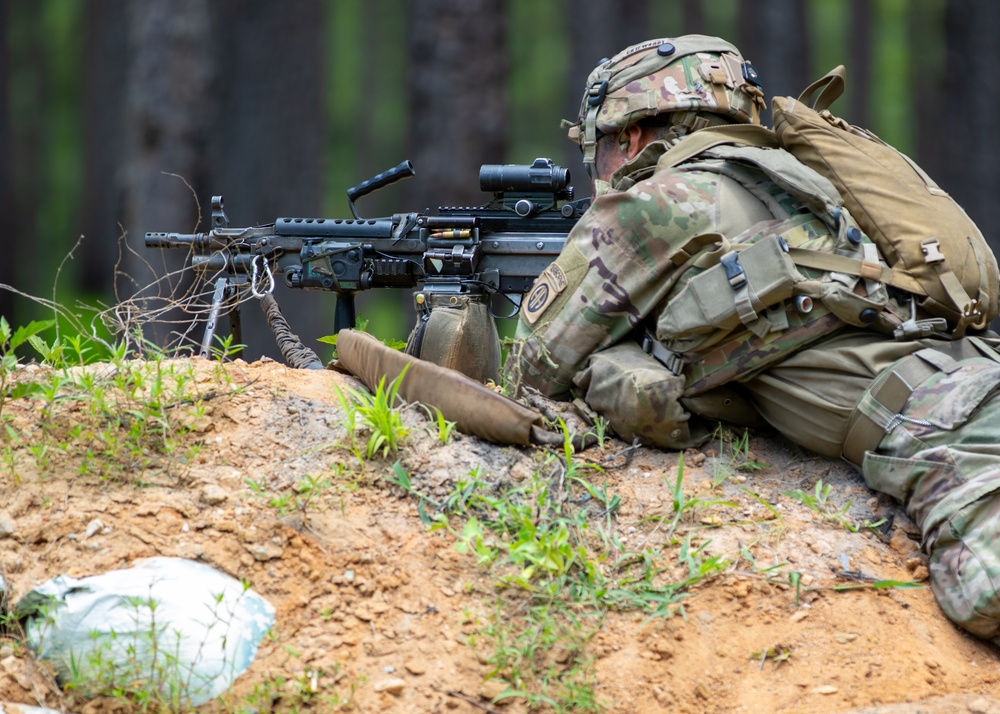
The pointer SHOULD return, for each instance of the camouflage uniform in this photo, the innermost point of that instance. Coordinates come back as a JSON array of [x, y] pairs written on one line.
[[918, 417]]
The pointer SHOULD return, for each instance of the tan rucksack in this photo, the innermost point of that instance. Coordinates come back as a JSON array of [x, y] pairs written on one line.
[[933, 248]]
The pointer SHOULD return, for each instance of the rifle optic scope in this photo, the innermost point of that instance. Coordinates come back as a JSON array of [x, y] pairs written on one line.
[[542, 176]]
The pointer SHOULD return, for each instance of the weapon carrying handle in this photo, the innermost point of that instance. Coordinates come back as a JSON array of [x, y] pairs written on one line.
[[402, 171]]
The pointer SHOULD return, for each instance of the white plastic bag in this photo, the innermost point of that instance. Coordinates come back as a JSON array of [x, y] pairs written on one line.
[[176, 626]]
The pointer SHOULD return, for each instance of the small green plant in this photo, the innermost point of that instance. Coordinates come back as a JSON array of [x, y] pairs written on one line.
[[349, 418], [600, 430], [795, 580], [685, 507], [379, 413], [733, 455], [314, 689], [741, 455], [777, 654], [445, 428], [819, 502], [10, 340], [310, 490], [361, 325], [224, 348], [541, 657]]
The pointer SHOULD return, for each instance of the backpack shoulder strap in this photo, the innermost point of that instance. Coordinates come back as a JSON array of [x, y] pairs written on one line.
[[712, 136]]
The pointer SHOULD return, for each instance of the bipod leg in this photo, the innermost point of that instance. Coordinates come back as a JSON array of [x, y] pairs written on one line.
[[225, 288]]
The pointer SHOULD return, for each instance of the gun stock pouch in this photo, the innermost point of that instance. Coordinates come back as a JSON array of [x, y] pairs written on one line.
[[474, 408], [457, 331]]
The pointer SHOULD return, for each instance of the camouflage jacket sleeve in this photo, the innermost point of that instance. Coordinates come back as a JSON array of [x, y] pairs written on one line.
[[613, 272]]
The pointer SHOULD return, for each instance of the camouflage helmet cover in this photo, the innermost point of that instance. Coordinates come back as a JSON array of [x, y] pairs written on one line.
[[691, 74]]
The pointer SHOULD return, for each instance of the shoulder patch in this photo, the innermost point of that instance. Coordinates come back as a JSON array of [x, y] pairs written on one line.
[[550, 283]]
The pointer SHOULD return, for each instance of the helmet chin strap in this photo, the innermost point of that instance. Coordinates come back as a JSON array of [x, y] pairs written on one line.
[[589, 134]]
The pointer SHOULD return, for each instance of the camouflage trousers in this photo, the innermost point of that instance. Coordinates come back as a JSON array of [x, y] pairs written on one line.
[[939, 454]]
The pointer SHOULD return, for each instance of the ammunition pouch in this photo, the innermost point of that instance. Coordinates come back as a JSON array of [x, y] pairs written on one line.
[[738, 289], [638, 397], [457, 331]]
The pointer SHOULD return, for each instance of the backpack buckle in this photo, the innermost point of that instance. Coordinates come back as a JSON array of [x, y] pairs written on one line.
[[914, 329], [931, 249]]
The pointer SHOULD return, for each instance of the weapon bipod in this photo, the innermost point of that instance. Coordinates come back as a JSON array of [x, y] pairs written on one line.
[[226, 288]]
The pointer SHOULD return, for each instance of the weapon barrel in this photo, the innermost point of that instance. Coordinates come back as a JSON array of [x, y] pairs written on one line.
[[194, 241]]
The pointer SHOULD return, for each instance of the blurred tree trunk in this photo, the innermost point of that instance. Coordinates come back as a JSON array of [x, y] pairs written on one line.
[[256, 139], [859, 72], [166, 88], [966, 124], [378, 127], [265, 142], [927, 32], [457, 98], [23, 104], [8, 267], [958, 133], [774, 39], [694, 22], [105, 60]]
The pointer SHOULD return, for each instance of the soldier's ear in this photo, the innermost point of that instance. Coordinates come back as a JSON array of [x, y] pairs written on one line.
[[637, 140]]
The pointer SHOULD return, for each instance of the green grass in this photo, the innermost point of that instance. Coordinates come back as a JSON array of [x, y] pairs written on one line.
[[100, 412], [378, 415], [820, 503], [559, 566]]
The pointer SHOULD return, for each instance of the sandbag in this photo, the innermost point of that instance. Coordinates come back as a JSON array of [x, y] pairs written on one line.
[[475, 408]]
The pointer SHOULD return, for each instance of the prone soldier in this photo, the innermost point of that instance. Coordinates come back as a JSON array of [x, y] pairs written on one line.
[[676, 303]]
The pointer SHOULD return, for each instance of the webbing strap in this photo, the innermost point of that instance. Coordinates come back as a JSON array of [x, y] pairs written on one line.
[[969, 308], [595, 98], [831, 86], [833, 263], [878, 411], [696, 245], [889, 394]]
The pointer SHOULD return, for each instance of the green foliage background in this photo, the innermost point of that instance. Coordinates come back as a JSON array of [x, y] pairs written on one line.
[[367, 84]]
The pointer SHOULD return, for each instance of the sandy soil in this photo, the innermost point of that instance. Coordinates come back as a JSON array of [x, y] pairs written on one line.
[[375, 612]]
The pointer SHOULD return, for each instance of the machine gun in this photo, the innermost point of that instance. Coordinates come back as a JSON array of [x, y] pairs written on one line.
[[500, 247]]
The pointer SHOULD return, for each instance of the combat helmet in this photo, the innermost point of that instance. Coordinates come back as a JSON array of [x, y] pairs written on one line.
[[691, 75]]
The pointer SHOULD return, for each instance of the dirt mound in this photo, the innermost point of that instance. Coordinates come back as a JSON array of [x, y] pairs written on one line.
[[743, 577]]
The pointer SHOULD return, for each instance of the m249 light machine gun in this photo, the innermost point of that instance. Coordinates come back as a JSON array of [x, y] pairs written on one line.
[[457, 259]]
